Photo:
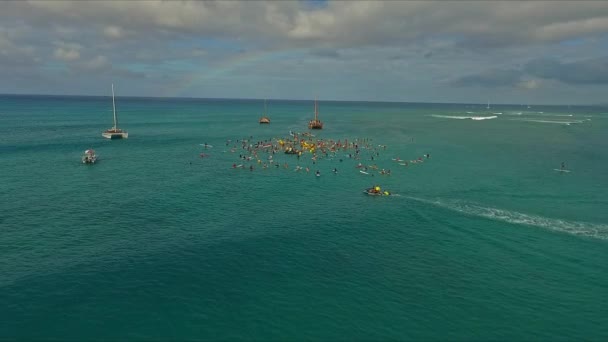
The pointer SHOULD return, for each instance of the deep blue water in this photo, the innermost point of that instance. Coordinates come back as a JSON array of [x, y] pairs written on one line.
[[481, 241]]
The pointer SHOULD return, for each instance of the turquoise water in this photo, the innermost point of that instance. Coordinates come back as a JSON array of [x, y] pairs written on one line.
[[481, 241]]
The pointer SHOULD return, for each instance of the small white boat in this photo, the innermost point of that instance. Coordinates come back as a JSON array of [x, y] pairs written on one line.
[[89, 157]]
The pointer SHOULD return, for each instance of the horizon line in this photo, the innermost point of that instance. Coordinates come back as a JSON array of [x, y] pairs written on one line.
[[327, 100]]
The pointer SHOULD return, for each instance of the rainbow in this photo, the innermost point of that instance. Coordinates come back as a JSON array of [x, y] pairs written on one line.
[[226, 67]]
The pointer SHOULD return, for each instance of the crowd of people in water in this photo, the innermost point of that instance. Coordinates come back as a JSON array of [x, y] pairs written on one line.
[[307, 153]]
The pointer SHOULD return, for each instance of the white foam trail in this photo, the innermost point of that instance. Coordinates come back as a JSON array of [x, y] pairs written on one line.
[[567, 123], [594, 230], [483, 117], [464, 117]]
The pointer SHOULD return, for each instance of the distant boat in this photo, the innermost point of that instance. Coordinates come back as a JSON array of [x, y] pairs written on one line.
[[115, 132], [264, 119], [89, 157], [488, 107], [315, 123]]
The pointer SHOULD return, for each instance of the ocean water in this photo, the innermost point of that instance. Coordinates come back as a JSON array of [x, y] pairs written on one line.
[[484, 240]]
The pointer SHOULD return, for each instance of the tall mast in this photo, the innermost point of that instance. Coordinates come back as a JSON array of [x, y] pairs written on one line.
[[264, 107], [316, 111], [114, 106]]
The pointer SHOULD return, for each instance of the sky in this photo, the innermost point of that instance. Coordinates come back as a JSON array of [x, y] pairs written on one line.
[[512, 52]]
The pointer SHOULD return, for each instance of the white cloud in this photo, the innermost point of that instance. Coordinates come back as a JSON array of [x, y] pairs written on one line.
[[341, 23], [67, 51], [113, 32], [96, 63], [66, 54]]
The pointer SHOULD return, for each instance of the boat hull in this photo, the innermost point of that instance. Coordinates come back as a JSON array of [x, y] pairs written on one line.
[[315, 124], [89, 160], [373, 193], [112, 136]]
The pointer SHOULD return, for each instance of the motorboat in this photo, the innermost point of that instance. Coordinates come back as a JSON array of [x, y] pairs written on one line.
[[376, 191], [89, 157]]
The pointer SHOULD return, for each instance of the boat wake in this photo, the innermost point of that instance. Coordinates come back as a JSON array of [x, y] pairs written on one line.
[[464, 117], [586, 229], [567, 123]]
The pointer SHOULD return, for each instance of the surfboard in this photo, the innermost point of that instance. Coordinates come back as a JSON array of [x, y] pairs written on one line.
[[363, 172], [562, 170], [206, 145]]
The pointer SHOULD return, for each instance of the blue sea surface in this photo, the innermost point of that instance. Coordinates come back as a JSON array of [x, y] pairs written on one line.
[[484, 240]]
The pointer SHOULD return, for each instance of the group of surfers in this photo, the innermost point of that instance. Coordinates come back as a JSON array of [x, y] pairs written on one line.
[[307, 149]]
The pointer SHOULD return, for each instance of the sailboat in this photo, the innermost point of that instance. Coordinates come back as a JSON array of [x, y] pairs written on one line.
[[488, 107], [264, 119], [115, 132], [315, 123]]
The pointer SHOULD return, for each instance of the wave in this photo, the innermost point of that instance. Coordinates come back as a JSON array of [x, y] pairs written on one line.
[[586, 229], [464, 117]]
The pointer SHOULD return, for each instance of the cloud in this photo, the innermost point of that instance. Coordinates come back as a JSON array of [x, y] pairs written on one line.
[[411, 46], [530, 84], [114, 32], [336, 23], [588, 71], [198, 52], [96, 63], [537, 72], [490, 78], [14, 54], [67, 52], [325, 52], [67, 55]]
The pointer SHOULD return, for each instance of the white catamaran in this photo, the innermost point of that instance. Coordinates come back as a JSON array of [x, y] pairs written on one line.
[[115, 132]]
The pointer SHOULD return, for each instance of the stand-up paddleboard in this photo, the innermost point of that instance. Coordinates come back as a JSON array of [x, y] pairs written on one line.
[[206, 145], [562, 170]]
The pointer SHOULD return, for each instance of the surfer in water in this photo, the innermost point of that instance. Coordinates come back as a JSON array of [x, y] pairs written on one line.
[[563, 167]]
